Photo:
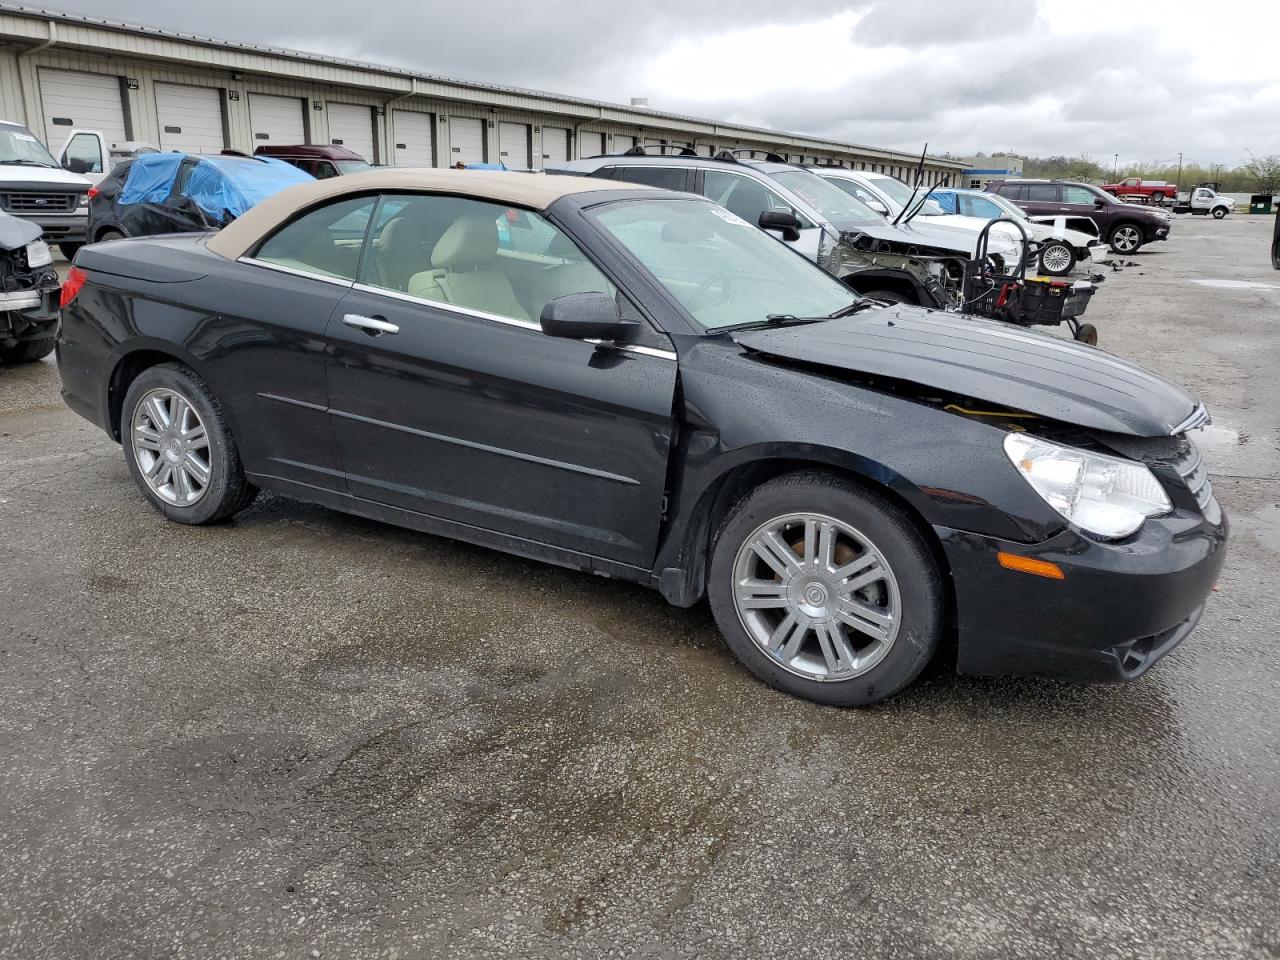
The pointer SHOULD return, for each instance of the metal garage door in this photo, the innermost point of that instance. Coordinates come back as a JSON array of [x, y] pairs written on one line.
[[351, 126], [513, 145], [590, 144], [277, 121], [466, 140], [555, 145], [190, 118], [415, 141], [622, 142], [90, 101]]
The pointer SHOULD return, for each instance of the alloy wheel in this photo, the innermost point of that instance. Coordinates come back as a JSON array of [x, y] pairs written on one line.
[[1056, 259], [171, 447], [817, 596], [1126, 239]]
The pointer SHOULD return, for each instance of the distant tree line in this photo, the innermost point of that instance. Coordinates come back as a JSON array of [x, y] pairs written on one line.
[[1258, 175]]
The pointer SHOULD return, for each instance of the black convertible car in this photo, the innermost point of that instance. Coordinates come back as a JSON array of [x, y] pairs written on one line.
[[638, 384]]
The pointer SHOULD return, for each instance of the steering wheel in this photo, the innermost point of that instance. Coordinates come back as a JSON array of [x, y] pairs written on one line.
[[706, 286]]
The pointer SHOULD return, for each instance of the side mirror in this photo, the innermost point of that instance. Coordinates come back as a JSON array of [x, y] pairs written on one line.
[[585, 316], [787, 223], [878, 206], [1099, 203]]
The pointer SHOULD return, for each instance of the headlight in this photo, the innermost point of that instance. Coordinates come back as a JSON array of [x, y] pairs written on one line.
[[38, 254], [1105, 495], [84, 199]]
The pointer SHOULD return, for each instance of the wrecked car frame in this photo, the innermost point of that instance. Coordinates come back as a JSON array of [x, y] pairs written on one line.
[[28, 292]]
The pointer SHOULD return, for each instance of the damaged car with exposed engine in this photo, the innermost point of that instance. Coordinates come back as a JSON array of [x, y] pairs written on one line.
[[29, 292], [638, 384], [916, 263]]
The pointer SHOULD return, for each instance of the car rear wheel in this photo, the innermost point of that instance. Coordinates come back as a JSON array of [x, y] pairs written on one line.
[[1158, 198], [27, 351], [1057, 259], [1219, 213], [1126, 238], [826, 590], [106, 235], [179, 449]]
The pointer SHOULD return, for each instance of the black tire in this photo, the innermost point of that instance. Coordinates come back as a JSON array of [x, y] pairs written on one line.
[[27, 351], [1057, 248], [109, 234], [1219, 212], [69, 250], [1158, 198], [1275, 254], [893, 534], [1087, 333], [1126, 233], [227, 491], [889, 296]]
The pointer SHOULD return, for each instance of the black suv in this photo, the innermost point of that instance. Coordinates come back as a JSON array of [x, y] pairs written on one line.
[[1125, 226]]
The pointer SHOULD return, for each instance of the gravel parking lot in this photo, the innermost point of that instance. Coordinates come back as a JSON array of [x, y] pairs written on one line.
[[302, 734]]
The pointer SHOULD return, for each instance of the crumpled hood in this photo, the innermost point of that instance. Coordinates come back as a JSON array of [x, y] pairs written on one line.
[[16, 232], [945, 237], [995, 362]]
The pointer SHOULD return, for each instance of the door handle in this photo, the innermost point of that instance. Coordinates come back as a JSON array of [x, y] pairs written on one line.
[[370, 325]]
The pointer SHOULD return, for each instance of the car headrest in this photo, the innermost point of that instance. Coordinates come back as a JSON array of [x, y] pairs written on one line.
[[468, 242]]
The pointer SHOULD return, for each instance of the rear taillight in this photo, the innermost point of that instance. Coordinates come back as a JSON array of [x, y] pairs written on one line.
[[93, 192], [71, 286]]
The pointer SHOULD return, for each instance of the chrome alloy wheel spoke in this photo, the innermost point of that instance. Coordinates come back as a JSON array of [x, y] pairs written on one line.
[[817, 596], [171, 447]]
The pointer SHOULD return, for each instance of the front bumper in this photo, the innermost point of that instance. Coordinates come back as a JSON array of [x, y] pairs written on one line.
[[1119, 608], [28, 314], [61, 227], [1160, 232]]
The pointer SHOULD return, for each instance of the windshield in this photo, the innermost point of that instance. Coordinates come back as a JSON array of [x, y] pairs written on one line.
[[900, 193], [829, 200], [722, 270], [1010, 208], [353, 166], [18, 146]]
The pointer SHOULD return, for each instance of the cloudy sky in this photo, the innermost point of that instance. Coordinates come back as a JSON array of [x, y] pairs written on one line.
[[1034, 76]]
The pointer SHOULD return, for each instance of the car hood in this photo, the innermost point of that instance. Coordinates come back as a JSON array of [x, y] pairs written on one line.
[[16, 233], [960, 240], [989, 361], [42, 176]]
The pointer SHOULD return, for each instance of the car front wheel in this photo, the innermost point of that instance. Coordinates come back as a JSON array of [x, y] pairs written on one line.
[[1219, 213], [826, 590], [1057, 259], [1126, 238], [179, 449]]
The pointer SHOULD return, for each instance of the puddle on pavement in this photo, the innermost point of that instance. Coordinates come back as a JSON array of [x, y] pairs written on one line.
[[1214, 437], [1235, 284], [1239, 451]]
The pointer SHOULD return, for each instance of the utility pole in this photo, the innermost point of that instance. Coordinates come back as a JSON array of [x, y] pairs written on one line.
[[1178, 182], [1114, 164]]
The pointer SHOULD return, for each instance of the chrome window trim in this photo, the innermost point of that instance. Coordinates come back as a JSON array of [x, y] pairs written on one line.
[[268, 265], [509, 321]]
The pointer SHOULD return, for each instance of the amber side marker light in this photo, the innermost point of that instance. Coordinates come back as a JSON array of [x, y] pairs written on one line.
[[1037, 568]]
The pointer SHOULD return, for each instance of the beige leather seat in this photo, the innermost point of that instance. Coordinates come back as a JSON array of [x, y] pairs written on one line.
[[575, 275], [461, 276], [402, 252]]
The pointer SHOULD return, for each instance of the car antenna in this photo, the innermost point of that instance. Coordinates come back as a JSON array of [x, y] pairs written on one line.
[[919, 176]]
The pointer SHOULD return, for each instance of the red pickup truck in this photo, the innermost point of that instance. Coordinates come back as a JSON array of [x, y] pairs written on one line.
[[1157, 190]]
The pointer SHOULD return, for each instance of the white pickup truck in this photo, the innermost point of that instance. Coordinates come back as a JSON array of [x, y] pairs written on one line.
[[1204, 201], [54, 194]]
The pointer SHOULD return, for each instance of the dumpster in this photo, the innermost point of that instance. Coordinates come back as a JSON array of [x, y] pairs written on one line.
[[1260, 203]]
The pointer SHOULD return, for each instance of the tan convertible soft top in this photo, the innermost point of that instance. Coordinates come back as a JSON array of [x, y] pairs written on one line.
[[534, 190]]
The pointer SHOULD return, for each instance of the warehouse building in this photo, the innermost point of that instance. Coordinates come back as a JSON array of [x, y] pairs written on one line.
[[202, 95]]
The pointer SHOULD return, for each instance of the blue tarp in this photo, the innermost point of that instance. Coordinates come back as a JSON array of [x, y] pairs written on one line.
[[231, 185], [150, 178], [946, 199], [487, 166]]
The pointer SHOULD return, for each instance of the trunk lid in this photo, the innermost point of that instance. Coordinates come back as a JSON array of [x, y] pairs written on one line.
[[995, 362], [174, 258]]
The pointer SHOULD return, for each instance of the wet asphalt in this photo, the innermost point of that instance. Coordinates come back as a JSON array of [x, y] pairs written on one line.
[[306, 735]]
